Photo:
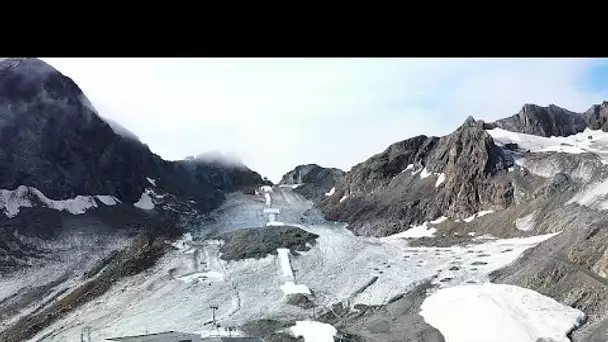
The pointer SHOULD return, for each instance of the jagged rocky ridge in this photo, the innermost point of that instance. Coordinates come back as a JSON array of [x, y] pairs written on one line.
[[378, 198], [458, 175]]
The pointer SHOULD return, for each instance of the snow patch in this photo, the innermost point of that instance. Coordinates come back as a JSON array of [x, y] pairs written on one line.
[[200, 276], [498, 312], [331, 192], [151, 181], [424, 174], [12, 200], [476, 215], [409, 167], [440, 179], [344, 198], [145, 201], [108, 200], [289, 287], [439, 220], [422, 230], [313, 331], [525, 223], [266, 188], [77, 205]]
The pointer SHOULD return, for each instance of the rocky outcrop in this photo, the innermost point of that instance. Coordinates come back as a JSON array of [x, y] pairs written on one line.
[[421, 179], [543, 121], [597, 117], [315, 181]]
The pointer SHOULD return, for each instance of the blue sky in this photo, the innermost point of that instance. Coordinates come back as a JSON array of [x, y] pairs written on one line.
[[277, 113]]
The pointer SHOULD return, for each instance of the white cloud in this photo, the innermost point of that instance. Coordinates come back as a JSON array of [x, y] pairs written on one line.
[[277, 113]]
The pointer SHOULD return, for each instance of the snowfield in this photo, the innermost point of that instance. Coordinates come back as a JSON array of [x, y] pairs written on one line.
[[12, 200], [576, 144], [176, 293], [498, 313], [415, 232]]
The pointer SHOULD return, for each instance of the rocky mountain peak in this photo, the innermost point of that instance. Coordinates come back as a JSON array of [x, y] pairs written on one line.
[[51, 138], [469, 147], [315, 181], [470, 121], [543, 121]]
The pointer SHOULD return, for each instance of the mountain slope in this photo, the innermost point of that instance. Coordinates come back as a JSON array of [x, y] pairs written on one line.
[[84, 203], [422, 179], [540, 171]]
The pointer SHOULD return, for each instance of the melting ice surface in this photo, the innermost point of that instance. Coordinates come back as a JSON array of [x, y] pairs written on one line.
[[176, 292]]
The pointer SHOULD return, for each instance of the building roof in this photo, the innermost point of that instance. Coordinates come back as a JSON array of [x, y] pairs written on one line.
[[168, 334]]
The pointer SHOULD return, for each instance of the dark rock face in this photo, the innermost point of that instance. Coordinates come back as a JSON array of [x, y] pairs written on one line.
[[597, 117], [377, 198], [52, 139], [544, 121], [227, 177], [468, 157], [316, 180]]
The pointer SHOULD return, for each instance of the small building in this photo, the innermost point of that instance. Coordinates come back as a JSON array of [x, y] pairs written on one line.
[[166, 336]]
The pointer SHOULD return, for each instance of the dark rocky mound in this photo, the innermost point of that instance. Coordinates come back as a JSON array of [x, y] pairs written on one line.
[[544, 121], [398, 320], [301, 300], [223, 174], [381, 199], [316, 180], [260, 242]]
